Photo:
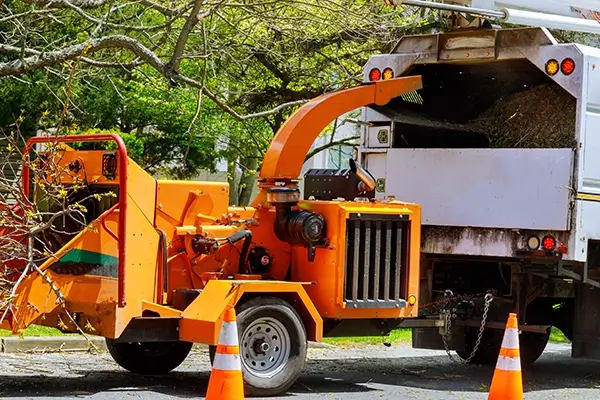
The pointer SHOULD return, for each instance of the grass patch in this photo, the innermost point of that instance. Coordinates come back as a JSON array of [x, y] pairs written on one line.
[[398, 336], [36, 330], [404, 336], [556, 336], [395, 337]]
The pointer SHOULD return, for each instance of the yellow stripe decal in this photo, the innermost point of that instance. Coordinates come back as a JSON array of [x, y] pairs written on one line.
[[584, 196]]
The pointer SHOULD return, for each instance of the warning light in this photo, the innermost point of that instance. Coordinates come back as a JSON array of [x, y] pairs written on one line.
[[549, 243], [567, 66], [388, 73], [375, 74], [412, 299], [552, 67]]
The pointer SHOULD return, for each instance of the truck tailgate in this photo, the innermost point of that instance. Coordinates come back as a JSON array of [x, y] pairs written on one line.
[[490, 188]]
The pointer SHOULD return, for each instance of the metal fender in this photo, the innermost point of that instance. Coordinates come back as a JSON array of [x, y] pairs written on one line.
[[201, 320]]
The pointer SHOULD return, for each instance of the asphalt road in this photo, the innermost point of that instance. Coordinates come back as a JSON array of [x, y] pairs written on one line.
[[367, 373]]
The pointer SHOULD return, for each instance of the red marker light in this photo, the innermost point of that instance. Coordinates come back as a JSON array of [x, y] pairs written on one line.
[[375, 74], [567, 66], [549, 243]]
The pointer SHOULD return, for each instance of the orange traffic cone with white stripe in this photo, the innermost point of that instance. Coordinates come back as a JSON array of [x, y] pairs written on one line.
[[226, 381], [507, 383]]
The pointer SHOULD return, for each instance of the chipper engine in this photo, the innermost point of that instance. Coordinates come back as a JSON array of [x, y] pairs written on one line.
[[159, 261]]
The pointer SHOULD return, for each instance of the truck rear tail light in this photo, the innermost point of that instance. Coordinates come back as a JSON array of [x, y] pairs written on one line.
[[375, 74], [549, 243], [388, 73], [552, 67], [533, 243], [567, 66]]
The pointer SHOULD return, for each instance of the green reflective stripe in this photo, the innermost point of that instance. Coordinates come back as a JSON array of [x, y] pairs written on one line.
[[87, 257]]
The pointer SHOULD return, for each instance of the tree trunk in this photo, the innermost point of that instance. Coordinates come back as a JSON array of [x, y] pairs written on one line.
[[232, 180], [248, 179]]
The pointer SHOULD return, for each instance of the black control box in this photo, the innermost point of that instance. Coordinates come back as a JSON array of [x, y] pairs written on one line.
[[330, 184]]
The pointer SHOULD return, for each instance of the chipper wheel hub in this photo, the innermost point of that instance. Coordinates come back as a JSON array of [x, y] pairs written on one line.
[[265, 347]]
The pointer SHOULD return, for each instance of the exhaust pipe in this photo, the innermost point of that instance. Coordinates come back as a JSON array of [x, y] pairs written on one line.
[[367, 182]]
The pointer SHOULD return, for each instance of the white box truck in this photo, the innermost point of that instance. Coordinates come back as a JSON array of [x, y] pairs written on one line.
[[501, 148]]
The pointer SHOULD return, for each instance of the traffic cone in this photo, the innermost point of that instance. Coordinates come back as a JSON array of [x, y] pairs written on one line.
[[226, 381], [507, 383]]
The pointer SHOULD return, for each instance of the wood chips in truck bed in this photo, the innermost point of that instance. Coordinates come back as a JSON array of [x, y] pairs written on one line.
[[541, 117]]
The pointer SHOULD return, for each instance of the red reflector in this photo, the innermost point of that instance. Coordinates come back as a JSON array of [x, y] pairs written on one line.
[[562, 248], [375, 74], [567, 66], [548, 243]]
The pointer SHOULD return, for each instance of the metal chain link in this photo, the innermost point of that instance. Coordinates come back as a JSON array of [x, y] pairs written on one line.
[[449, 297], [447, 315]]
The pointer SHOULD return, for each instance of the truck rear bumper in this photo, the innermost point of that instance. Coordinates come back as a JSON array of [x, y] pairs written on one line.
[[485, 242]]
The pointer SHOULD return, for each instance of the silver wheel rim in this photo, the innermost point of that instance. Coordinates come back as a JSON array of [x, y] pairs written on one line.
[[265, 347]]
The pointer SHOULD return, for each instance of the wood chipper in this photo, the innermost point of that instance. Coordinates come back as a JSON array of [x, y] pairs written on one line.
[[158, 263]]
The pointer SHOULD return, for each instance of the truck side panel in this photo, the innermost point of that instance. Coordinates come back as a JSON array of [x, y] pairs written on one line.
[[486, 188], [588, 177]]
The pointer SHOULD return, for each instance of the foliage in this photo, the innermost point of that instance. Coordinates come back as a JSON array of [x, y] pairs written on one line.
[[187, 83]]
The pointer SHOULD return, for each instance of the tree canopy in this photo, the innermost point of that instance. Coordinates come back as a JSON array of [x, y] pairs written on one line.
[[187, 82]]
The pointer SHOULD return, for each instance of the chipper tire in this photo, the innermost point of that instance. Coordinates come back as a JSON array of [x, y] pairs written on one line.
[[273, 345], [152, 358]]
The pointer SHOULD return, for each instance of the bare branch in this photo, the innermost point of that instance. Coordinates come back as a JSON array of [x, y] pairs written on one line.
[[40, 60], [329, 145], [195, 16], [229, 109], [91, 18], [189, 25], [22, 15]]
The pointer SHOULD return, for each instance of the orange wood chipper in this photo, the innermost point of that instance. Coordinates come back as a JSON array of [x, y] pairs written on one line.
[[155, 269]]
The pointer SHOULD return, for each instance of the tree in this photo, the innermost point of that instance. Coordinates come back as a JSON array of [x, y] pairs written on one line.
[[201, 79]]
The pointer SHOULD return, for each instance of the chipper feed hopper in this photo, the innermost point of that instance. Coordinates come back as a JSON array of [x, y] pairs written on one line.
[[160, 260]]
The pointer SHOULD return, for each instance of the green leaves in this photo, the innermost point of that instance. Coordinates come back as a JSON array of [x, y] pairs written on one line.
[[248, 57]]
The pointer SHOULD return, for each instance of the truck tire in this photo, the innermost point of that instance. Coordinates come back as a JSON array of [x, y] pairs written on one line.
[[273, 345], [148, 358], [531, 346], [563, 319], [489, 347]]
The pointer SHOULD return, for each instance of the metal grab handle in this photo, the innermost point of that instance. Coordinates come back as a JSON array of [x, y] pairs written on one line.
[[122, 204]]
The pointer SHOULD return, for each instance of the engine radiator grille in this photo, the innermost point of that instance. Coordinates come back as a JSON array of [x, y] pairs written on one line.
[[376, 250]]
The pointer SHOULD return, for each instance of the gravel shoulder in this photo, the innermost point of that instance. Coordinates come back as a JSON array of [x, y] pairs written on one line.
[[333, 373]]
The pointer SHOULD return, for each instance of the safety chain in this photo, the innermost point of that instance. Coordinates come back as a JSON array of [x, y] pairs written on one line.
[[447, 316], [449, 297]]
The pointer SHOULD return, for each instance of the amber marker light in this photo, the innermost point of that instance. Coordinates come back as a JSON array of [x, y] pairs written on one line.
[[412, 300], [552, 67], [388, 73]]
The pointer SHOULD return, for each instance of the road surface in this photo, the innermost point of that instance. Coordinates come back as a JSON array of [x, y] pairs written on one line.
[[358, 374]]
